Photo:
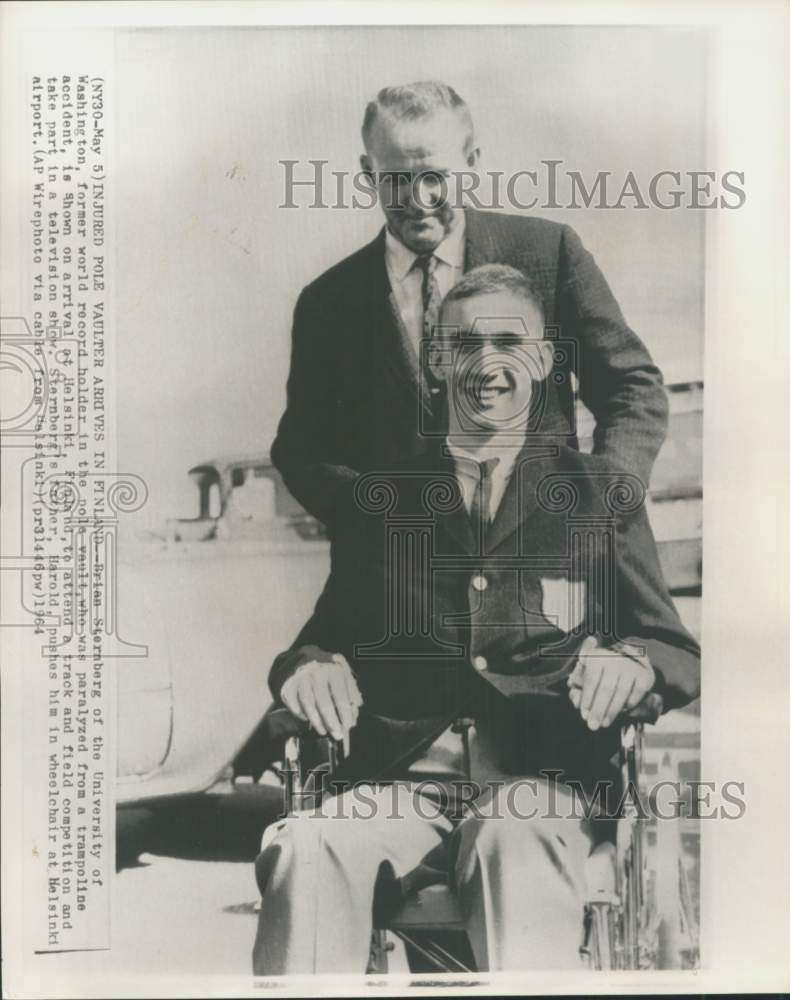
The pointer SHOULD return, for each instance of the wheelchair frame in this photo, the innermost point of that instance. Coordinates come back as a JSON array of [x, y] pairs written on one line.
[[619, 931]]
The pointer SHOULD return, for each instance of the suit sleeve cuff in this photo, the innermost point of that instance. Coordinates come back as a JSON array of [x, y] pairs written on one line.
[[676, 668]]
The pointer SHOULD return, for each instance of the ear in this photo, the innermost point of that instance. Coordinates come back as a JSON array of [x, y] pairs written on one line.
[[366, 165], [441, 359], [545, 358]]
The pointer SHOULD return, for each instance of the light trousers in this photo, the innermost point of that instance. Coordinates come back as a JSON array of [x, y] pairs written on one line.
[[517, 864]]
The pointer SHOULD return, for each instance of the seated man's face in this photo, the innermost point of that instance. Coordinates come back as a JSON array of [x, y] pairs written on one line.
[[495, 360]]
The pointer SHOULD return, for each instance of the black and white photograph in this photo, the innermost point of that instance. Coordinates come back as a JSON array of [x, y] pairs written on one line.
[[364, 386]]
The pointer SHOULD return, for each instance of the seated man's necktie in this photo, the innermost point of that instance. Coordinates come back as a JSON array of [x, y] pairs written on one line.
[[480, 508]]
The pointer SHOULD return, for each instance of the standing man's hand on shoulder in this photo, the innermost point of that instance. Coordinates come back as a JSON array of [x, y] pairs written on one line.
[[322, 690]]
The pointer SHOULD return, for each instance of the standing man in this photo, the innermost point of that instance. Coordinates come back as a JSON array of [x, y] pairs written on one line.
[[359, 396]]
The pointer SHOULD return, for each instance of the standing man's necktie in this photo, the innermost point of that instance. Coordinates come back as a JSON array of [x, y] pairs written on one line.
[[431, 303], [431, 296], [480, 508]]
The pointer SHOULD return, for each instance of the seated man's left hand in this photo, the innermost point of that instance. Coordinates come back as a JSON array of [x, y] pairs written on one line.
[[606, 682]]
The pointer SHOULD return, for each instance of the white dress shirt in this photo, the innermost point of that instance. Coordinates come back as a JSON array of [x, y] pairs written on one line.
[[406, 280], [467, 470]]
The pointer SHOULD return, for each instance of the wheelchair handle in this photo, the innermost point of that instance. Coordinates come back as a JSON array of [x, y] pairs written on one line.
[[280, 724], [648, 709]]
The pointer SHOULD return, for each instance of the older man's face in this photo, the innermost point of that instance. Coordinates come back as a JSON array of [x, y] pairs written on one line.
[[416, 166]]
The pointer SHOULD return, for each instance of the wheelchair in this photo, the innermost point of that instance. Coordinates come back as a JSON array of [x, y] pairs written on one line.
[[622, 927]]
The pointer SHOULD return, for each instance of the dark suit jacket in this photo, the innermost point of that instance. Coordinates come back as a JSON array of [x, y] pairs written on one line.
[[416, 623], [355, 398]]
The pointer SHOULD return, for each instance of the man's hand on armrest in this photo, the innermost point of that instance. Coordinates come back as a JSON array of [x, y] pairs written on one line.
[[322, 691], [606, 682]]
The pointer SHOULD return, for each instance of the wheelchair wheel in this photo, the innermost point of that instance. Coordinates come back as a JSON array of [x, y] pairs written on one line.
[[676, 931], [378, 964]]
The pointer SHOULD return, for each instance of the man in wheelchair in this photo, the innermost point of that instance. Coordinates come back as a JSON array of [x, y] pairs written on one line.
[[502, 579]]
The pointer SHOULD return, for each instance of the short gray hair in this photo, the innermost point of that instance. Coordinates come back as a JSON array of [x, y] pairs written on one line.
[[411, 101], [489, 278]]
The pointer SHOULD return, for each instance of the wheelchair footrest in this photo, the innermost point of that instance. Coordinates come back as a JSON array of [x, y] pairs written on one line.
[[433, 908]]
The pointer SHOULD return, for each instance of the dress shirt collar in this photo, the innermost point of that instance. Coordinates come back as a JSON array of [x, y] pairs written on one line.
[[400, 259], [467, 461]]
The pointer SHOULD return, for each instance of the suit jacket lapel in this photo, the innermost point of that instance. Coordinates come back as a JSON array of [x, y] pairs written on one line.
[[482, 247], [406, 364], [456, 522], [519, 500], [394, 349]]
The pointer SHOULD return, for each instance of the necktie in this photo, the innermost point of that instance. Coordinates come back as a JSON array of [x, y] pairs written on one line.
[[480, 508], [431, 296], [431, 302]]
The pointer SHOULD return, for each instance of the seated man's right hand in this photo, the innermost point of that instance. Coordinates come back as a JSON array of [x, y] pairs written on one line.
[[322, 691]]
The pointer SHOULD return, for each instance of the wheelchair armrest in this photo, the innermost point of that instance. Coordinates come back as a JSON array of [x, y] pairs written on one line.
[[279, 724], [299, 741], [279, 735], [267, 741], [305, 755]]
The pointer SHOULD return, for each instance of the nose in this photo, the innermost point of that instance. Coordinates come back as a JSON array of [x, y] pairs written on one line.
[[486, 351], [427, 191]]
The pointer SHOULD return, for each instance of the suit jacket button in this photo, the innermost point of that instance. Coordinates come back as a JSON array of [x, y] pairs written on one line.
[[480, 663], [479, 582]]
